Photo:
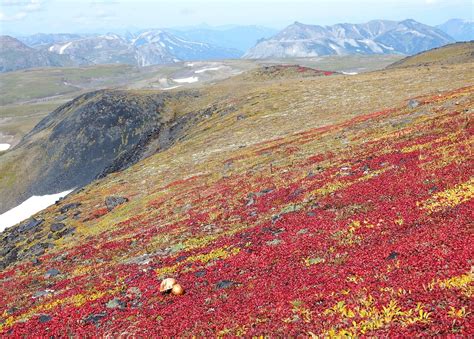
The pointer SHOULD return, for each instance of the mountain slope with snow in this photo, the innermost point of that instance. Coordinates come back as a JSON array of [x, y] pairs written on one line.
[[374, 37], [159, 46], [103, 49], [15, 55], [461, 30], [152, 47]]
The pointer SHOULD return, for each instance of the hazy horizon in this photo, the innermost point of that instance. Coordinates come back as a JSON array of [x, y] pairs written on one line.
[[24, 17]]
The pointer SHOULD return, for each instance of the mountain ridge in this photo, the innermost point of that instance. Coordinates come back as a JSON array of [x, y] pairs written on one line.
[[15, 55], [374, 37], [461, 30]]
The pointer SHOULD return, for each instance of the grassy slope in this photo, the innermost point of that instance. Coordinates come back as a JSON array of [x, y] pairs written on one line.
[[313, 214], [451, 54], [27, 96], [271, 108]]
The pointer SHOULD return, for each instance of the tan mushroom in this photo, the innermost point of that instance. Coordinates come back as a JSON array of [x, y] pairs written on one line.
[[177, 289], [167, 285]]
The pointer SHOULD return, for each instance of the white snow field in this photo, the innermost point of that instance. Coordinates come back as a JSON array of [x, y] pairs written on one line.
[[207, 69], [4, 147], [189, 80], [28, 208]]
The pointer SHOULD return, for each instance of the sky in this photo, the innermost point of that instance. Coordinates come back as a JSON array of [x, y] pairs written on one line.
[[23, 17]]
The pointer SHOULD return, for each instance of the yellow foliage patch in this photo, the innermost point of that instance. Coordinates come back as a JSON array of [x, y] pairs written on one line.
[[219, 253], [450, 197]]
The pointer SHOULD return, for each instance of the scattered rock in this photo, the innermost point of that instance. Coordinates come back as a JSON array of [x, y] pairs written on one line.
[[38, 249], [57, 227], [63, 256], [225, 284], [200, 274], [290, 209], [30, 225], [302, 231], [12, 310], [274, 242], [51, 273], [134, 292], [112, 202], [413, 103], [44, 318], [275, 218], [61, 217], [392, 256], [241, 117], [365, 169], [250, 199], [36, 262], [296, 193], [40, 294], [13, 237], [7, 249], [265, 191], [64, 232], [94, 318], [115, 303], [211, 228], [10, 258], [68, 207], [253, 214], [144, 259], [273, 230]]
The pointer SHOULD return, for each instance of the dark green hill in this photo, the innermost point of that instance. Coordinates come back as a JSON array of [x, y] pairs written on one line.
[[95, 134]]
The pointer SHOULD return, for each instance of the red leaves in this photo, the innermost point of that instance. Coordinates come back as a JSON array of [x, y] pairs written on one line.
[[334, 227]]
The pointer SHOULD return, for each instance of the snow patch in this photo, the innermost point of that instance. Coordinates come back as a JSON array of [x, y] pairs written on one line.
[[63, 48], [189, 80], [338, 49], [4, 147], [349, 73], [372, 45], [28, 208], [207, 69]]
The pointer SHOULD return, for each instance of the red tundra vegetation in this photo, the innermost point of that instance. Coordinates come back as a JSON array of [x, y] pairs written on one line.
[[358, 229]]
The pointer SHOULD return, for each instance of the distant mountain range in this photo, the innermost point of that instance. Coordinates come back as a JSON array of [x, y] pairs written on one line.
[[42, 39], [375, 37], [235, 37], [148, 48], [16, 55], [163, 46], [461, 30], [152, 46]]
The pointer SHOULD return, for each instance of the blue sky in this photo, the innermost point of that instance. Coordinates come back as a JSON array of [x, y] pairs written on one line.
[[21, 17]]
